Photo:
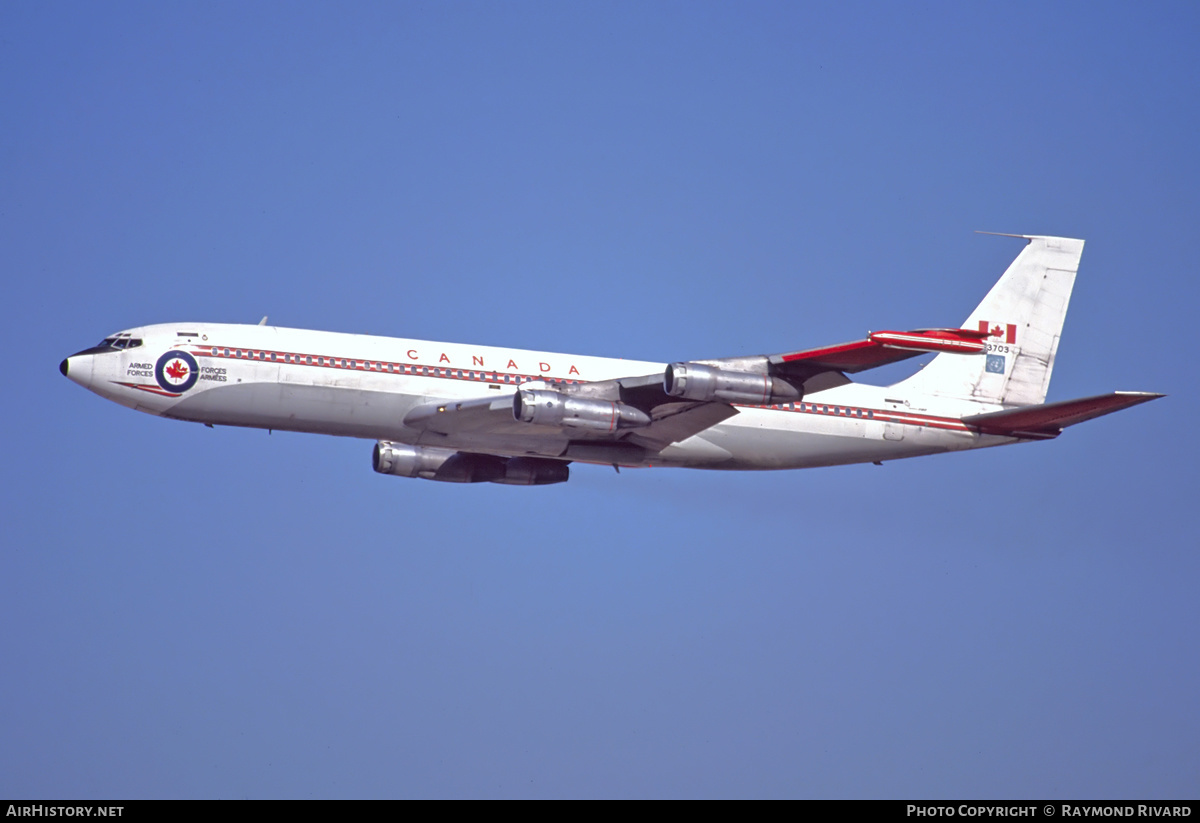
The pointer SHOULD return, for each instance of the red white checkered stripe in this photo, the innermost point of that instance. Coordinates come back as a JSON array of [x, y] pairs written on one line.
[[928, 421], [481, 376], [321, 361]]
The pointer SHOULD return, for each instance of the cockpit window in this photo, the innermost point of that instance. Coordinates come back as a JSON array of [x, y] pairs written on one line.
[[120, 341], [114, 342]]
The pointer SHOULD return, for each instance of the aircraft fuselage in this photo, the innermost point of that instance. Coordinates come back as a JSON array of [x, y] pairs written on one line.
[[363, 386], [460, 413]]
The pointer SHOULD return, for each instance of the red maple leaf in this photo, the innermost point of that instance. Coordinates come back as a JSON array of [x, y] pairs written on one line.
[[997, 331], [177, 370]]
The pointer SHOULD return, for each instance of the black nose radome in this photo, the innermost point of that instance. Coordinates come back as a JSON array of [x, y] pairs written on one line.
[[62, 367]]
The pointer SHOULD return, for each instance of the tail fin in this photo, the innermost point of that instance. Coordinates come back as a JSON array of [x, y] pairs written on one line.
[[1024, 312]]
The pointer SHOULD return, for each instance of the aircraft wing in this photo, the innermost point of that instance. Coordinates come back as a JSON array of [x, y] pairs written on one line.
[[880, 348], [673, 422], [480, 415], [652, 411], [660, 419]]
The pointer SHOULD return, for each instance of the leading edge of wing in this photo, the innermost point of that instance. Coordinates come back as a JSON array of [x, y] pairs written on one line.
[[481, 414], [881, 348], [1047, 420]]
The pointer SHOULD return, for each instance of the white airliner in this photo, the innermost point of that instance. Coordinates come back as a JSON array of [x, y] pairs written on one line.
[[445, 411]]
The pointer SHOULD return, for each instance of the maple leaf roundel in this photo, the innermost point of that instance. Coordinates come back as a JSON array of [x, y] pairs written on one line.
[[176, 371]]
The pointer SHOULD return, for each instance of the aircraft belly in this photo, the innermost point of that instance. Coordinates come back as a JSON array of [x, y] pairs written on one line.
[[332, 410], [755, 439], [749, 443], [697, 451]]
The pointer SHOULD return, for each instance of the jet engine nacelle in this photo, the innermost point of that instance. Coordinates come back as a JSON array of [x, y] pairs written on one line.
[[408, 461], [449, 466], [692, 381], [551, 408], [533, 471]]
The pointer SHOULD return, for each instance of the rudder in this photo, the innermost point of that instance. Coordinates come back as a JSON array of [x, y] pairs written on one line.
[[1024, 313]]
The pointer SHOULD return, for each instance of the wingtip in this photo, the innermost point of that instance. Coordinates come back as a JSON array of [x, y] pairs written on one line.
[[1004, 234], [1144, 395]]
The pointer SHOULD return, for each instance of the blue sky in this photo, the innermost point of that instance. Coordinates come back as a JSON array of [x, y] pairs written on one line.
[[222, 613]]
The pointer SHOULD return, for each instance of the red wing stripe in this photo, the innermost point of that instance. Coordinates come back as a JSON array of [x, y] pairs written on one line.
[[884, 347], [938, 340], [816, 354]]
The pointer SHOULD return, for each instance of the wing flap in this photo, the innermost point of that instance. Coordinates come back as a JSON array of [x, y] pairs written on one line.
[[679, 421]]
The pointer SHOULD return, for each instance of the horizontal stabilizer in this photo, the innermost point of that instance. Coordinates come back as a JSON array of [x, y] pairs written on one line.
[[1049, 419]]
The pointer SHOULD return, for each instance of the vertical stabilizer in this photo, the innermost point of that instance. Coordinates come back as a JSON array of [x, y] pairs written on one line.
[[1023, 314]]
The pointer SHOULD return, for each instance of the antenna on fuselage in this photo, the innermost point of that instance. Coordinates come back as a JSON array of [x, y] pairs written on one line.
[[263, 322]]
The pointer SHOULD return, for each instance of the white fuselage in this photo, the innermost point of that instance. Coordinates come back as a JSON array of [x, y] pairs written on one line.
[[363, 386]]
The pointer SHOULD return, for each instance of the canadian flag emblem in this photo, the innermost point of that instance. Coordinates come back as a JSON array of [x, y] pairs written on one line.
[[1008, 332]]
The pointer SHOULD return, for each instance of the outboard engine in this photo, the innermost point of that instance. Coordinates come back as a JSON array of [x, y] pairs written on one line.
[[692, 381]]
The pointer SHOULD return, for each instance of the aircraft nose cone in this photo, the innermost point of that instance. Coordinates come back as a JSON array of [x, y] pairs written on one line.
[[78, 368]]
